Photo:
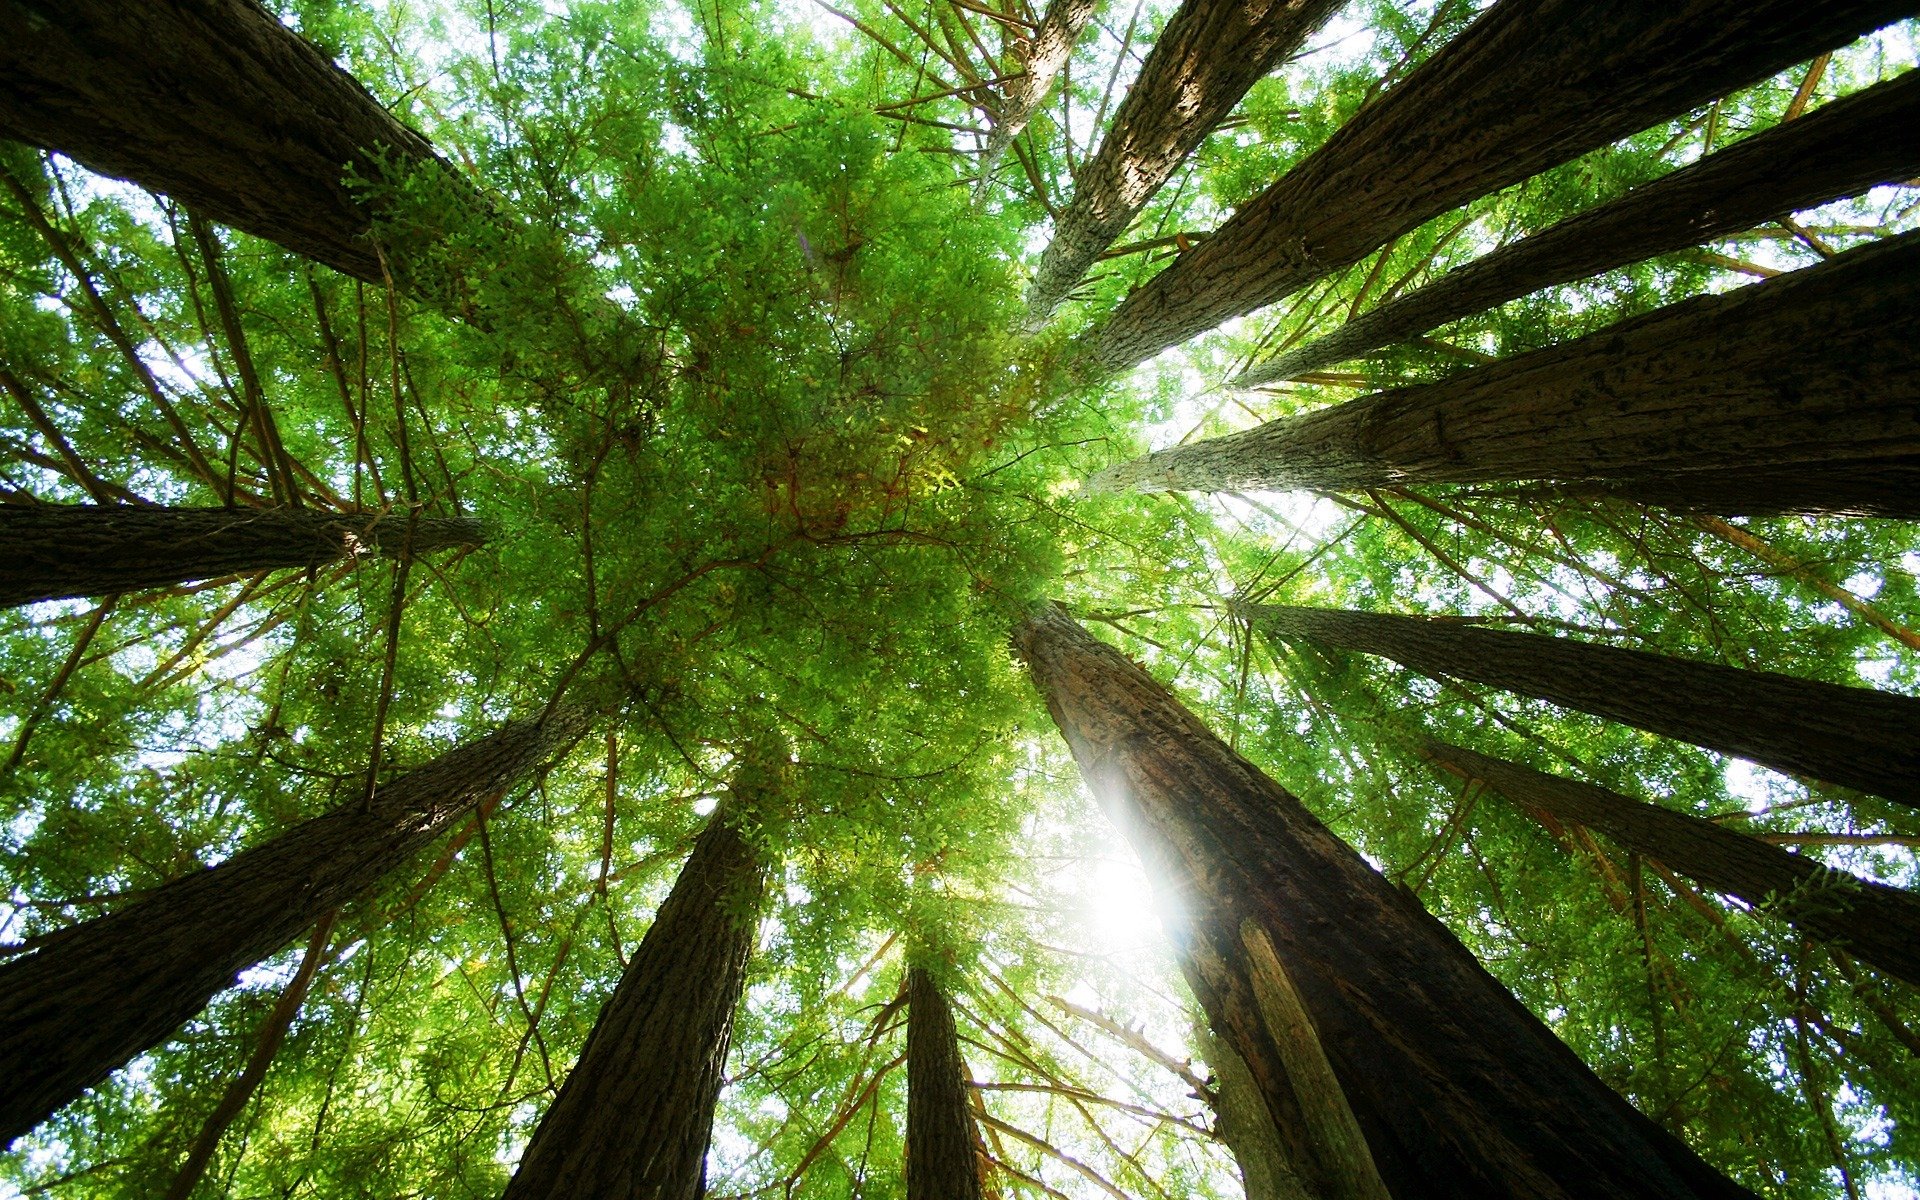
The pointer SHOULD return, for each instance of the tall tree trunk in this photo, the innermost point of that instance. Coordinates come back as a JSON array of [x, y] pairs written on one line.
[[57, 551], [1390, 1061], [1869, 138], [634, 1116], [1529, 85], [1853, 736], [1803, 377], [1242, 1122], [93, 996], [941, 1162], [1876, 923], [1206, 58], [1866, 487], [1046, 58], [212, 102]]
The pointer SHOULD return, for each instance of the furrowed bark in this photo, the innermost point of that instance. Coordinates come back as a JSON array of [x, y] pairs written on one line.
[[634, 1116], [1811, 380], [1206, 58], [54, 552], [1853, 736], [212, 102], [941, 1164], [1868, 138], [1046, 57], [103, 991], [1340, 993], [1242, 1122], [1875, 923], [1529, 85]]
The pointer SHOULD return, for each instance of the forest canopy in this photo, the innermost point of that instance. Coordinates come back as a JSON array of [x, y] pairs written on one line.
[[709, 412]]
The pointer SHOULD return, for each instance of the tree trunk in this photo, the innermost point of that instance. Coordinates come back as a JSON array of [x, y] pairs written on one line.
[[1046, 57], [97, 994], [1876, 923], [634, 1116], [212, 102], [1390, 1061], [941, 1163], [1241, 1121], [1869, 138], [1804, 377], [1206, 58], [1529, 85], [56, 551], [1867, 487], [1853, 736]]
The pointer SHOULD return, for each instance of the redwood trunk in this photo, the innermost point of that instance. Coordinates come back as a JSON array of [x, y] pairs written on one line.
[[1341, 993], [1869, 138], [1854, 736], [212, 102], [97, 994], [1206, 58], [53, 552], [1046, 57], [1876, 923], [634, 1116], [1529, 85], [1811, 378], [940, 1133]]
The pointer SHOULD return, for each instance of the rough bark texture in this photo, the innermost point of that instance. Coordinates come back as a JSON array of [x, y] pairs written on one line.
[[1206, 58], [103, 991], [212, 102], [1806, 376], [1876, 923], [1865, 487], [1241, 1121], [1529, 85], [1458, 1089], [633, 1119], [940, 1133], [1854, 736], [1046, 57], [1869, 138], [56, 551]]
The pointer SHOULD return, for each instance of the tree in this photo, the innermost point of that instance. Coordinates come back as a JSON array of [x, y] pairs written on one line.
[[1853, 736], [1802, 378], [1879, 924], [1841, 150], [635, 1114], [1046, 56], [1206, 58], [1391, 1063], [1532, 83], [89, 998], [941, 1164], [53, 552]]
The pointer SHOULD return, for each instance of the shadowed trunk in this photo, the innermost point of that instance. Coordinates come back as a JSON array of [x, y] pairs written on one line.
[[1206, 58], [93, 996], [941, 1164], [1876, 923], [212, 102], [1866, 487], [53, 551], [1390, 1061], [1869, 138], [1529, 85], [635, 1114], [1804, 377], [1046, 57], [1241, 1121], [1854, 736]]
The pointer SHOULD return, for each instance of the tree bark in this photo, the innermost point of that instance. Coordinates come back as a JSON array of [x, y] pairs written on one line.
[[1868, 138], [1805, 378], [1241, 1121], [1210, 53], [1529, 85], [634, 1117], [97, 994], [1853, 736], [1046, 57], [212, 102], [1876, 923], [1390, 1061], [941, 1162], [56, 551]]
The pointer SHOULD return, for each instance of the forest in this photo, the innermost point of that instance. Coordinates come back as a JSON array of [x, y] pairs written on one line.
[[960, 599]]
